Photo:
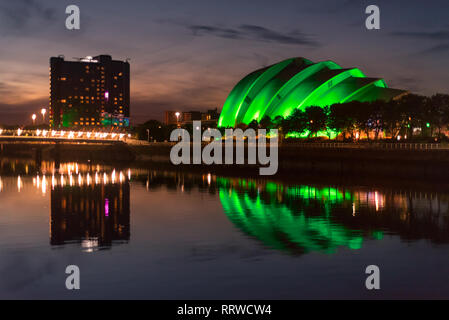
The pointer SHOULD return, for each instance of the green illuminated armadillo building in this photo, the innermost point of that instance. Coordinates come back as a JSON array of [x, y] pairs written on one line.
[[294, 83]]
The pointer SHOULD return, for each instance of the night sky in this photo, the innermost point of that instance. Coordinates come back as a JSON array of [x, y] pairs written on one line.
[[187, 55]]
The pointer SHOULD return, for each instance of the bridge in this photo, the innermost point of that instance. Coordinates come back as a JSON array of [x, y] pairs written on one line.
[[64, 137]]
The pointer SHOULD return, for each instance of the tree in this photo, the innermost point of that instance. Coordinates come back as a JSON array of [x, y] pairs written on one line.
[[316, 120], [253, 125], [266, 123], [341, 119], [438, 109], [152, 130], [295, 123]]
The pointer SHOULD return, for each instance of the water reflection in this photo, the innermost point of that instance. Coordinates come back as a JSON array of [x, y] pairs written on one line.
[[90, 206], [299, 218], [95, 216]]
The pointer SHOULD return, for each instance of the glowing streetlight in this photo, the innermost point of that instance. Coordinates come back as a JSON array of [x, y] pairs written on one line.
[[177, 114], [43, 112], [33, 117]]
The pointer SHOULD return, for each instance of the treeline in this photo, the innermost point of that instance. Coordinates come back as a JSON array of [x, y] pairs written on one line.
[[410, 116]]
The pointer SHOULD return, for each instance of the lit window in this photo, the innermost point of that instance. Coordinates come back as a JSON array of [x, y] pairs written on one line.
[[120, 74], [63, 78], [63, 100]]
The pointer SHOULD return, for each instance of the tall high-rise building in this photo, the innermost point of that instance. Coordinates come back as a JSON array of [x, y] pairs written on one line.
[[89, 92]]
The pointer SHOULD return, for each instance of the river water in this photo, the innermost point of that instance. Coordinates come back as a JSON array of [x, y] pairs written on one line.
[[155, 234]]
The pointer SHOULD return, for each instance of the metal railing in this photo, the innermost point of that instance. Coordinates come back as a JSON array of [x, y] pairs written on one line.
[[375, 145]]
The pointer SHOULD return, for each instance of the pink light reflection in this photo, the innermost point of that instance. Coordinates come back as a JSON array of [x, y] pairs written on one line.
[[106, 207]]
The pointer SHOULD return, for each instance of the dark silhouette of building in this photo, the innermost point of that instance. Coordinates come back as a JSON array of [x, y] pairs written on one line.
[[89, 92], [172, 117], [186, 117], [210, 115], [190, 116], [95, 216]]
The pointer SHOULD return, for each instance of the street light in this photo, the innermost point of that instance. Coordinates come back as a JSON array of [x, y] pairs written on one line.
[[177, 114], [33, 117], [43, 111]]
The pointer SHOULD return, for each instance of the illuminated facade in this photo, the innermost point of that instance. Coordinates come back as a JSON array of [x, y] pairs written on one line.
[[89, 92], [279, 89]]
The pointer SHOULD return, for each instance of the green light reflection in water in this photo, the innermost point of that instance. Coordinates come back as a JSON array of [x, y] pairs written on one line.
[[282, 217]]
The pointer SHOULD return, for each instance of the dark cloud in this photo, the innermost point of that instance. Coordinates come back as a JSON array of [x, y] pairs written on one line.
[[440, 37], [254, 32], [17, 15], [435, 35], [437, 49]]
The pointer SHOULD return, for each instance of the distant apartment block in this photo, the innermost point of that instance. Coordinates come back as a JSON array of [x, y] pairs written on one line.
[[91, 92], [185, 117]]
